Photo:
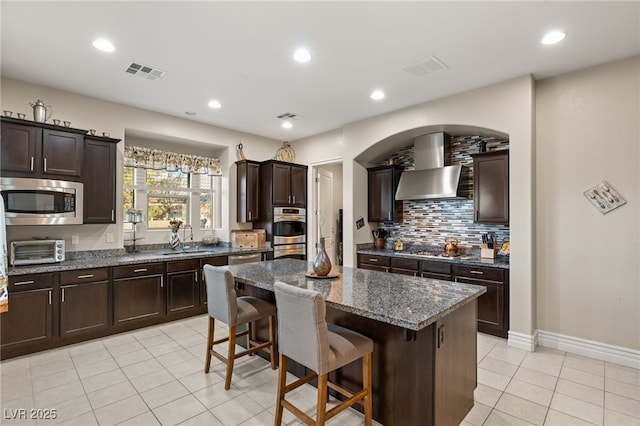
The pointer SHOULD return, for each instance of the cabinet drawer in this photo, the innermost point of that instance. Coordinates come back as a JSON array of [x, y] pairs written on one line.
[[215, 261], [491, 274], [399, 262], [370, 259], [182, 265], [31, 280], [437, 267], [84, 276], [141, 269]]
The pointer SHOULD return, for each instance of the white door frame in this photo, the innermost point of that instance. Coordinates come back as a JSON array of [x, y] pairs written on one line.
[[312, 225]]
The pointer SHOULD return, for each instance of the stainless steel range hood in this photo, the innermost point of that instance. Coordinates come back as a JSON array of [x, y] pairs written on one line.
[[431, 179]]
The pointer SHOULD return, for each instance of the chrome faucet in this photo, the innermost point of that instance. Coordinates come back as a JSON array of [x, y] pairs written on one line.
[[184, 236]]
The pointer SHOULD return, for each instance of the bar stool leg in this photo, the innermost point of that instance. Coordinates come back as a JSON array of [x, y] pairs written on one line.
[[249, 334], [230, 357], [282, 382], [207, 362], [366, 382], [272, 337], [323, 394]]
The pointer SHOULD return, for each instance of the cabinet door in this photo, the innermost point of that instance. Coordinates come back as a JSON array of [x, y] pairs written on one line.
[[29, 319], [491, 187], [281, 185], [137, 298], [99, 182], [382, 204], [248, 187], [299, 186], [182, 291], [490, 304], [19, 145], [84, 308], [62, 153]]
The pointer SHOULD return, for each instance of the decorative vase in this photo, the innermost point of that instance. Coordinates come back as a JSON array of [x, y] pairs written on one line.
[[174, 241], [322, 264]]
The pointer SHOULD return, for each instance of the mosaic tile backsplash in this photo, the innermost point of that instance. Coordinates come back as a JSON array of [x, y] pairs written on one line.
[[432, 222]]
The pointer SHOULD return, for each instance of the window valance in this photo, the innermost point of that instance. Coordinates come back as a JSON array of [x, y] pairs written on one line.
[[146, 158]]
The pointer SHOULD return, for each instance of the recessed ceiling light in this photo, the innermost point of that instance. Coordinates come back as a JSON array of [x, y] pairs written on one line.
[[190, 113], [376, 95], [214, 104], [553, 37], [104, 45], [287, 124], [302, 55]]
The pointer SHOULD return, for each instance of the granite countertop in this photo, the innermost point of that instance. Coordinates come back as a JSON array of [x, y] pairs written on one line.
[[409, 302], [473, 259], [101, 259]]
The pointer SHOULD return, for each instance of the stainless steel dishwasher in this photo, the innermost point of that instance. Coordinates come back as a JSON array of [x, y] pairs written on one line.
[[236, 259]]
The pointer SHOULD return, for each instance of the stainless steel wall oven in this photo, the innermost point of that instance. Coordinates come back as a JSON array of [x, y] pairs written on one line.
[[289, 232]]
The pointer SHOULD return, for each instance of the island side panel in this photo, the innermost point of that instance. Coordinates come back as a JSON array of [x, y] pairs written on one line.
[[402, 366], [456, 364]]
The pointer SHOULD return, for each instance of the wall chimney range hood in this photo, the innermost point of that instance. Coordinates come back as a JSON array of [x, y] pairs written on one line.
[[432, 179]]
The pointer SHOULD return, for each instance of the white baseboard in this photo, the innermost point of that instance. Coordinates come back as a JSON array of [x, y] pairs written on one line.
[[602, 351], [523, 341]]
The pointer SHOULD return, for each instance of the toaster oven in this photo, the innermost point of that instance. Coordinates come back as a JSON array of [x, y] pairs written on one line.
[[32, 252]]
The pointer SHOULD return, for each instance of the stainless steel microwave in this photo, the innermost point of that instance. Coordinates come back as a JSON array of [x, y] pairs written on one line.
[[32, 252], [30, 201]]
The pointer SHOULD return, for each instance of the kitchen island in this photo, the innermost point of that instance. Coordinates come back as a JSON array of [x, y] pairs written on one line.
[[424, 330]]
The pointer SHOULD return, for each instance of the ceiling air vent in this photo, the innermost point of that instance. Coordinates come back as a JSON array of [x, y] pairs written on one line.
[[425, 66], [144, 71], [288, 115]]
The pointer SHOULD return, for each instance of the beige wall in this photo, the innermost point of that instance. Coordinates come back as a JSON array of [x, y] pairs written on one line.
[[90, 113], [588, 266], [506, 107]]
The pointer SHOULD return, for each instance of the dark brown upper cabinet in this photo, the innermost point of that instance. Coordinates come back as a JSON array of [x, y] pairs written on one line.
[[491, 187], [248, 190], [41, 151], [99, 179], [382, 203], [286, 182]]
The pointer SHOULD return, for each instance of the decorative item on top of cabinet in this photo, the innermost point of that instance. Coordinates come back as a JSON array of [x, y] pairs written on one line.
[[248, 190], [491, 187], [285, 153], [382, 203]]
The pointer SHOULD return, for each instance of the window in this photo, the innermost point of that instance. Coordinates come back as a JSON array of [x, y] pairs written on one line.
[[163, 195]]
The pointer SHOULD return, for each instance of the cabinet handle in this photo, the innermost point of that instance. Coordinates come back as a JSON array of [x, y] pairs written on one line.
[[80, 277], [294, 199], [24, 282], [32, 160], [249, 215], [389, 214], [113, 213], [476, 272], [63, 295], [373, 260], [49, 296], [161, 282], [415, 274], [45, 164], [140, 270], [196, 274], [289, 199]]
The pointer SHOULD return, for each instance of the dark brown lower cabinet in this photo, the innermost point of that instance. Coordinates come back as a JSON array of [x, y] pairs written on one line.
[[215, 261], [493, 306], [374, 262], [84, 308], [29, 321], [138, 293], [182, 285]]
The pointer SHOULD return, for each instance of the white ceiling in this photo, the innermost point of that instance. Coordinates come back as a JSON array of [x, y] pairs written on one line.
[[241, 53]]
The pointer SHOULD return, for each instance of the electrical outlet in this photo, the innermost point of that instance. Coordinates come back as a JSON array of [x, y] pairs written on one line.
[[109, 237], [75, 239]]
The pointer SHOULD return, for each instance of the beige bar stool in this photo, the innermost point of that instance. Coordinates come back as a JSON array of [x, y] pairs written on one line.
[[225, 306], [305, 337]]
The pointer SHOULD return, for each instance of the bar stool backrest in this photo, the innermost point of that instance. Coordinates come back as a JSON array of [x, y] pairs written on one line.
[[221, 294], [302, 328]]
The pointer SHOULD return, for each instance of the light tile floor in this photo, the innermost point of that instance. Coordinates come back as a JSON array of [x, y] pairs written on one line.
[[154, 376]]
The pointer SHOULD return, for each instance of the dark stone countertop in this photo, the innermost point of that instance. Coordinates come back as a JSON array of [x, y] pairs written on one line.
[[409, 302], [101, 259], [472, 259]]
